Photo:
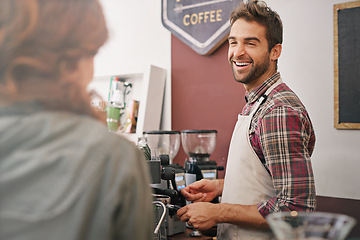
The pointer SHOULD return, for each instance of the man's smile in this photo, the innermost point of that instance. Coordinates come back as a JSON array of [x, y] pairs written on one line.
[[241, 64]]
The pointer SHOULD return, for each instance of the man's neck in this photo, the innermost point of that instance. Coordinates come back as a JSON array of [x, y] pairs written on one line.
[[252, 85]]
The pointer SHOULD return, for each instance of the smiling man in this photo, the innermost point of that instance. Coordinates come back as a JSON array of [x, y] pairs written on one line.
[[269, 166], [248, 53]]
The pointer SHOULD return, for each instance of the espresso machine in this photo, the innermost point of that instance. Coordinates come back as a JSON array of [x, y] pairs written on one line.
[[167, 178], [161, 172], [199, 145]]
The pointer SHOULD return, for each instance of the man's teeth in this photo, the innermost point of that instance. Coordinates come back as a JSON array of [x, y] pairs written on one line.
[[241, 64]]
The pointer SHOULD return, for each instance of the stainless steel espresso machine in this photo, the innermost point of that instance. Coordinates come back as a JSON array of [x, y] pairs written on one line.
[[167, 178]]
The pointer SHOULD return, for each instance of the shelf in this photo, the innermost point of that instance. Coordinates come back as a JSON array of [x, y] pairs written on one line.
[[147, 88]]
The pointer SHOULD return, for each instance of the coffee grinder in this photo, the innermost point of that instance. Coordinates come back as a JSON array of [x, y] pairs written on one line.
[[163, 142], [199, 145]]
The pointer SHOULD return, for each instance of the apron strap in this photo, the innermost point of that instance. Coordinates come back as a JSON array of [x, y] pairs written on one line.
[[263, 97]]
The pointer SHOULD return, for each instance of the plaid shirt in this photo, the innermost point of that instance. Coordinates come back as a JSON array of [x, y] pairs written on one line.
[[283, 137]]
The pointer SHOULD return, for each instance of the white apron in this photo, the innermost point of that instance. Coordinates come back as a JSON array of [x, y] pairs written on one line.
[[246, 180]]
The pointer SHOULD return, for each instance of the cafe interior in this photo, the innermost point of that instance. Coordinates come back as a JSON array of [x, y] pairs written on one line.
[[189, 90], [165, 84]]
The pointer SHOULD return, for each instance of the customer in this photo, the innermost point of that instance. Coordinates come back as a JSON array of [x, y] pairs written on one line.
[[62, 174], [268, 167]]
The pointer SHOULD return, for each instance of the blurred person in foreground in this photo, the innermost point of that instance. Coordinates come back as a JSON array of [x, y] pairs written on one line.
[[62, 174], [269, 166]]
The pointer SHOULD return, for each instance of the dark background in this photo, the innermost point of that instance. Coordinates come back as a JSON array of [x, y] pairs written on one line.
[[349, 65]]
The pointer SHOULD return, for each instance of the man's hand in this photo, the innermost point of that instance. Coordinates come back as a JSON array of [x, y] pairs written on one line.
[[200, 215], [204, 215], [203, 191]]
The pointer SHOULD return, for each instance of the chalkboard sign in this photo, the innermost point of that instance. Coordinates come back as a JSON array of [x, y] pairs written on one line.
[[347, 65]]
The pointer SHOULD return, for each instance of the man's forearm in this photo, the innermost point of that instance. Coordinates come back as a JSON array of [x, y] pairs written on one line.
[[242, 215]]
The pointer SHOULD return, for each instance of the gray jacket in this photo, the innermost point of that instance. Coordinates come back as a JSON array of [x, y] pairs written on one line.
[[64, 176]]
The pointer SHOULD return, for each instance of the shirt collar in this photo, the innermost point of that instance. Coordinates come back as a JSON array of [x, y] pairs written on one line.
[[257, 92]]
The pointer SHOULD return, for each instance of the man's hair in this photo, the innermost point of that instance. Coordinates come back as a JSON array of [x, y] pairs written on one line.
[[259, 12]]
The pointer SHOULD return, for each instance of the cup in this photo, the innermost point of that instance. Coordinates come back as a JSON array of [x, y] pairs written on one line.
[[310, 225], [113, 118]]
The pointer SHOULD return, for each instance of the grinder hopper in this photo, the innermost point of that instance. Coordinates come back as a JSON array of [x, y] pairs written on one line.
[[198, 144]]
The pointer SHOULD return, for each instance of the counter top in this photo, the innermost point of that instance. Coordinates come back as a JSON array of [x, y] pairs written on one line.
[[186, 236]]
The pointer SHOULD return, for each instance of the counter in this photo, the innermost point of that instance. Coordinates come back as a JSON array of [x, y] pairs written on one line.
[[186, 236]]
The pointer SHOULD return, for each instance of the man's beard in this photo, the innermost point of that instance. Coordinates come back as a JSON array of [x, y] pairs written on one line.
[[255, 72]]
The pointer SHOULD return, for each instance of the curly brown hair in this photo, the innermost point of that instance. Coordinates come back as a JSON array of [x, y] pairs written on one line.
[[259, 12], [41, 43]]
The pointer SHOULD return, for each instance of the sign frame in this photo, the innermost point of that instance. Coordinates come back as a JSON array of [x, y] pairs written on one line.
[[339, 68], [215, 38]]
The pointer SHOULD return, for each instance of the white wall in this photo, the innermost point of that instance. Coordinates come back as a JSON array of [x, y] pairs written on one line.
[[138, 38], [307, 66]]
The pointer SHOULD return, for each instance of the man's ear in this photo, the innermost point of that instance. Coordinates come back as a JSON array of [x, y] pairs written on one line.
[[275, 52]]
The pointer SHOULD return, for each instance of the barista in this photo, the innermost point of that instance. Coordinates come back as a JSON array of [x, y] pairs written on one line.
[[268, 167]]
